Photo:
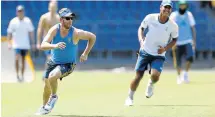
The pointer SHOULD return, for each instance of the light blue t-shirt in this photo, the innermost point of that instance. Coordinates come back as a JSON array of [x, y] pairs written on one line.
[[185, 22]]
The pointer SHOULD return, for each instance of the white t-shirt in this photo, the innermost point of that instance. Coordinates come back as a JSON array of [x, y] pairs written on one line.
[[20, 32], [158, 34]]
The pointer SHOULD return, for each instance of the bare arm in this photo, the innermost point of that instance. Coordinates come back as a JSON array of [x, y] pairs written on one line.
[[32, 38], [46, 44], [194, 35], [141, 37], [9, 37], [168, 46], [171, 44], [85, 35], [40, 30]]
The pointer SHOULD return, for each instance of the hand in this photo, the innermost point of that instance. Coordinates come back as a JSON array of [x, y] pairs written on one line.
[[161, 50], [61, 45], [83, 58]]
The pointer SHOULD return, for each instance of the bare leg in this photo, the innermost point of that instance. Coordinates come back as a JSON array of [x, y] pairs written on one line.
[[23, 67], [135, 83], [46, 92], [17, 66]]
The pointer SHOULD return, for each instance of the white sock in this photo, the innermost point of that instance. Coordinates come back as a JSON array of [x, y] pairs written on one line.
[[131, 93], [150, 82]]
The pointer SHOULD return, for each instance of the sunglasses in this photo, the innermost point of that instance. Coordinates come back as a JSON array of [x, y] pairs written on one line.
[[68, 18], [20, 11]]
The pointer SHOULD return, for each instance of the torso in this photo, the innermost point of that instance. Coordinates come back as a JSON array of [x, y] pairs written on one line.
[[49, 22]]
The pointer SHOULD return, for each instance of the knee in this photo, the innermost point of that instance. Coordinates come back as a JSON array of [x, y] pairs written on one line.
[[17, 57], [54, 75], [155, 77], [139, 76]]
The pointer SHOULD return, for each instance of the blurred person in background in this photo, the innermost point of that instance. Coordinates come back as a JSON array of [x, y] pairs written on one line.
[[186, 42], [47, 20], [62, 39], [19, 30], [161, 36]]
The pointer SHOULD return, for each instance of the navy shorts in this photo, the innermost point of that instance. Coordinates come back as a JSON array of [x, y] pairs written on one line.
[[145, 59], [65, 69], [184, 50], [22, 52]]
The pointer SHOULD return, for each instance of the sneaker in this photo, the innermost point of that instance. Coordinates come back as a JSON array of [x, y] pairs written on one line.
[[42, 111], [149, 91], [129, 102], [186, 79], [50, 104]]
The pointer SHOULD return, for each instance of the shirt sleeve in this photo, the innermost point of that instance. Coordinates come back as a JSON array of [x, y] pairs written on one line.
[[145, 22], [174, 33], [30, 26], [191, 19], [10, 27]]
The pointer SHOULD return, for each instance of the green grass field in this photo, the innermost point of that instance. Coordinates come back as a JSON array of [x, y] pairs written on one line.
[[95, 94]]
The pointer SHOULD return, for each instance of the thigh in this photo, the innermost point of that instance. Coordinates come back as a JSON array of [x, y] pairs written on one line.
[[180, 51], [189, 51], [142, 62], [24, 52], [157, 64], [67, 69], [50, 67]]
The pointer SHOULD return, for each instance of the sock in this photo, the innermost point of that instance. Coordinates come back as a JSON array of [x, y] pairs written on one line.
[[151, 82], [185, 73], [131, 93], [54, 95]]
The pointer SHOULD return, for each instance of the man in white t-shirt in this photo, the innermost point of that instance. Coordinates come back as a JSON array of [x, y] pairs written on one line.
[[186, 40], [19, 30], [161, 36]]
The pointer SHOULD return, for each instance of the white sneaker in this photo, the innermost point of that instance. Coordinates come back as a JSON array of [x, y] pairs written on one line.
[[186, 79], [149, 91], [42, 111], [179, 80], [50, 104], [129, 102]]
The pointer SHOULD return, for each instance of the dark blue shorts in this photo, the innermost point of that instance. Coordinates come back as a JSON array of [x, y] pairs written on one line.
[[65, 69], [145, 59], [22, 52], [184, 50]]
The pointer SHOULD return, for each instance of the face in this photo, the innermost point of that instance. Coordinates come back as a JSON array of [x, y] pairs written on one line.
[[67, 22], [53, 7], [183, 6], [166, 10], [20, 13]]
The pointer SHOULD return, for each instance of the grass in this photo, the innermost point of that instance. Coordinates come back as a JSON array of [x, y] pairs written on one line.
[[94, 94]]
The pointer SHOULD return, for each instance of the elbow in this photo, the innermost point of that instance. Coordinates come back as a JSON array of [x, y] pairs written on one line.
[[93, 37], [42, 47]]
